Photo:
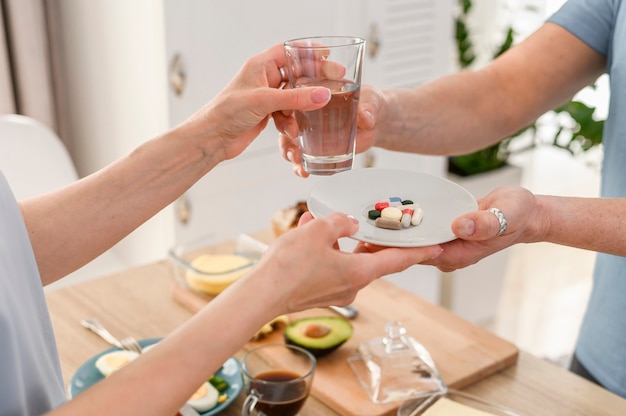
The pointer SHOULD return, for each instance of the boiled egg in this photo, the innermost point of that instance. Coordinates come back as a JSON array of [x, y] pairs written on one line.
[[205, 398], [113, 361]]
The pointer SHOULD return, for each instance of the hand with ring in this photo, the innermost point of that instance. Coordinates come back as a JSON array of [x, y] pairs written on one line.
[[506, 216]]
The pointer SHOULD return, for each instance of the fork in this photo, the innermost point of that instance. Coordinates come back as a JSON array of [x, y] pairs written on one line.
[[131, 344], [128, 343]]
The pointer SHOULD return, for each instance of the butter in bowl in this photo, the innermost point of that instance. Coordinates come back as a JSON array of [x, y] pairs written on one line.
[[209, 265]]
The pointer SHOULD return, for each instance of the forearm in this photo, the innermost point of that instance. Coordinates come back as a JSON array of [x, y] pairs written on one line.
[[597, 224], [72, 226], [99, 210], [469, 110], [446, 116], [161, 380]]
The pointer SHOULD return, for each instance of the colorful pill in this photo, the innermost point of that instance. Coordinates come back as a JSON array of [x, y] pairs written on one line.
[[391, 213], [381, 205], [388, 224], [394, 213]]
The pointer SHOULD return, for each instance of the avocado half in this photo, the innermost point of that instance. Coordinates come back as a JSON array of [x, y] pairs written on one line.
[[319, 336]]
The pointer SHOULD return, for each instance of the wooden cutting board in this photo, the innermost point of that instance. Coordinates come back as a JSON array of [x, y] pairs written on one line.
[[463, 352]]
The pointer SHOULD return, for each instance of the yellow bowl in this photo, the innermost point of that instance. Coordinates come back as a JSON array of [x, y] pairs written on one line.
[[211, 264]]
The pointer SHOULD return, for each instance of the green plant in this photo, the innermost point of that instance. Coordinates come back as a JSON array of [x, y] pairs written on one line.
[[576, 128]]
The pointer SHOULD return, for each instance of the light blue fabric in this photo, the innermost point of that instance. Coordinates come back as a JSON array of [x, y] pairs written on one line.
[[31, 381], [601, 345]]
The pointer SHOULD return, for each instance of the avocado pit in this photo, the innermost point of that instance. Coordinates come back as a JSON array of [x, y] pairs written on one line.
[[316, 330]]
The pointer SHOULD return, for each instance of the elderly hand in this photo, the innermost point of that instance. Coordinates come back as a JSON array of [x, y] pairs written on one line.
[[477, 231]]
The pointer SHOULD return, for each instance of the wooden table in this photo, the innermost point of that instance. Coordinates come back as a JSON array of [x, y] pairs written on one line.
[[139, 302]]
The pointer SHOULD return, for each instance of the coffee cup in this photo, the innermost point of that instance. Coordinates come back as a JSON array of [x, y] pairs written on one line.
[[277, 380]]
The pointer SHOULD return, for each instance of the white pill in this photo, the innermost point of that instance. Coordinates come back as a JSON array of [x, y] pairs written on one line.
[[406, 220], [418, 214], [391, 213]]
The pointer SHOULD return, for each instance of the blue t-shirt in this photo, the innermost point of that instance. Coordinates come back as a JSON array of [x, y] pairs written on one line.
[[601, 345], [31, 381]]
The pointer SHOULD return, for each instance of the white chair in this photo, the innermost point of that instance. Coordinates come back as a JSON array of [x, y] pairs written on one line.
[[35, 161], [32, 157]]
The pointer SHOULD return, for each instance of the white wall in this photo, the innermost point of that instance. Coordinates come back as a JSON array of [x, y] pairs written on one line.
[[106, 50]]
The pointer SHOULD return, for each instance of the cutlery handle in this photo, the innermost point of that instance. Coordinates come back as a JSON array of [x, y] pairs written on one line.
[[348, 312], [96, 327]]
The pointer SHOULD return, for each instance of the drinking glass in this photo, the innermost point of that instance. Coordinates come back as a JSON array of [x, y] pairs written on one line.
[[327, 136]]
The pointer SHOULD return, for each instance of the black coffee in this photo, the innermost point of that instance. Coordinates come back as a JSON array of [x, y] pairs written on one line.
[[284, 398]]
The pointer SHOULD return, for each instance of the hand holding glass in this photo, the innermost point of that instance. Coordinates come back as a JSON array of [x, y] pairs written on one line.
[[327, 136]]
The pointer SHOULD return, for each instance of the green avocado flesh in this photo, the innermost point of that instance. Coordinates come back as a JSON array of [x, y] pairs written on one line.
[[320, 336]]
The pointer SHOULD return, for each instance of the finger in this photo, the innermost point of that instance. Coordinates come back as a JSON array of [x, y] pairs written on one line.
[[304, 71], [330, 228], [286, 125], [394, 260], [370, 103], [305, 99], [366, 119], [298, 168], [277, 61], [306, 217], [327, 230], [305, 59], [303, 49], [333, 70], [340, 225], [288, 148], [476, 226], [291, 153], [446, 269]]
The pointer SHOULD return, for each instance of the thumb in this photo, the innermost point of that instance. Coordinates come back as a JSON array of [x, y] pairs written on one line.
[[333, 226], [304, 218], [342, 225], [306, 99], [476, 226]]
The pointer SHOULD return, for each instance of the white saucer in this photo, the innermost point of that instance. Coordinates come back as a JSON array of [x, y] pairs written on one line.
[[355, 192]]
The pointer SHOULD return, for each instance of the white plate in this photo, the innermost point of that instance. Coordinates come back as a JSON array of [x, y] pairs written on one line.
[[355, 192]]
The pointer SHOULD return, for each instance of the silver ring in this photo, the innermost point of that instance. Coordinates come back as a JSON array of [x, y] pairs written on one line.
[[283, 74], [501, 219]]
